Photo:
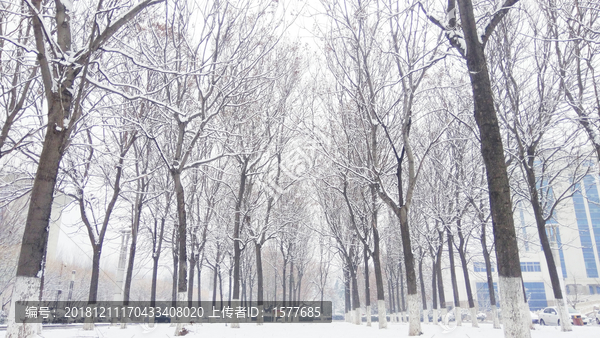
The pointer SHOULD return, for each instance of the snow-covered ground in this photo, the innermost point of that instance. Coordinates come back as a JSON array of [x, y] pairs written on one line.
[[333, 330]]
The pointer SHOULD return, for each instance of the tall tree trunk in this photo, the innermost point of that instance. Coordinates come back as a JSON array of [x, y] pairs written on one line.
[[492, 150], [465, 269], [93, 295], [400, 295], [381, 313], [259, 279], [181, 244], [438, 271], [291, 281], [434, 297], [215, 275], [411, 276], [139, 201], [237, 250], [221, 288], [59, 93], [423, 295], [190, 293], [174, 251], [457, 310], [528, 162], [199, 269], [283, 278], [229, 286], [130, 265], [156, 252], [490, 279], [347, 302], [355, 299], [367, 285], [391, 298]]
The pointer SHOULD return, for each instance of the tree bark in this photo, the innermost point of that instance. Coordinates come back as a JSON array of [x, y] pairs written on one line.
[[433, 288], [355, 298], [528, 167], [174, 251], [465, 269], [191, 274], [215, 274], [58, 93], [457, 314], [438, 271], [392, 301], [347, 302], [139, 202], [423, 295], [492, 150], [259, 279], [400, 295], [381, 313], [489, 276], [367, 286]]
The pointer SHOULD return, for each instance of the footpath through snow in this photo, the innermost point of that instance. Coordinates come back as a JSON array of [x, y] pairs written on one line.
[[333, 330]]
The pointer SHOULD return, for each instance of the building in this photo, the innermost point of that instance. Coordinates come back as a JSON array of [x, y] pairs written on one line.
[[574, 233]]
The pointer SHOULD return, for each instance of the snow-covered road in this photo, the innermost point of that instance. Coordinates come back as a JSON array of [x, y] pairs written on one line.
[[333, 330]]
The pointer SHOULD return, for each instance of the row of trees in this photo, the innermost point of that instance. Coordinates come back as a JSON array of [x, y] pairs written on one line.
[[202, 127]]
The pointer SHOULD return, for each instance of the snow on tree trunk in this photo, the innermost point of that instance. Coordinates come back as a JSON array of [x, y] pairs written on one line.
[[414, 325], [511, 300], [235, 325], [260, 320], [24, 289], [181, 301], [474, 322], [444, 315], [369, 315], [382, 314], [88, 325], [527, 322], [435, 316], [356, 316], [458, 316], [495, 317], [425, 317], [563, 313]]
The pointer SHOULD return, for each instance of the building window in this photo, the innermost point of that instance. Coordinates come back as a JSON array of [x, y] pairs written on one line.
[[536, 295], [589, 258], [592, 289], [480, 267], [483, 295], [531, 267]]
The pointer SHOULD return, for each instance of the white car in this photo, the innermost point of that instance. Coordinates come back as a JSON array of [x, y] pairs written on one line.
[[549, 316], [535, 319], [574, 313]]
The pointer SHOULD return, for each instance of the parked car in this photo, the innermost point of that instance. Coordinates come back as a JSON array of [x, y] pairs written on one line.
[[550, 316], [481, 316], [574, 313], [535, 319]]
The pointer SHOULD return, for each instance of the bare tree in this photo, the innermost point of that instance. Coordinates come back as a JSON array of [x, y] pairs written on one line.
[[471, 46], [529, 108], [64, 73]]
